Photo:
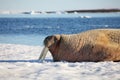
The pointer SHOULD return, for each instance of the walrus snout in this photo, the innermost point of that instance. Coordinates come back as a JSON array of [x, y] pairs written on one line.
[[48, 42]]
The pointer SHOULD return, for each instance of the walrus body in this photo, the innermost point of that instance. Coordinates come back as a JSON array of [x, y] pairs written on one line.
[[93, 45]]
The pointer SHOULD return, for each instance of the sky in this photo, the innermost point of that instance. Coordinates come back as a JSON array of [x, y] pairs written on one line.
[[56, 5]]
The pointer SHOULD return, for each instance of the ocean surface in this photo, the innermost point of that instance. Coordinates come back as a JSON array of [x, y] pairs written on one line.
[[32, 29]]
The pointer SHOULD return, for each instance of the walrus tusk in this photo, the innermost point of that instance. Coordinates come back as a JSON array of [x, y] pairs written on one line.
[[43, 53]]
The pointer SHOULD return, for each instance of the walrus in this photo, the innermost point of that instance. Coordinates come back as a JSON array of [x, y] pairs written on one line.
[[91, 46]]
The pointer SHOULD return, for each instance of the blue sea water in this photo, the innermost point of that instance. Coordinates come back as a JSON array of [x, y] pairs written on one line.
[[33, 30]]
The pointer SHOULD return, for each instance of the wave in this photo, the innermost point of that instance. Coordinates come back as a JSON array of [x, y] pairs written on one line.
[[45, 30], [28, 29]]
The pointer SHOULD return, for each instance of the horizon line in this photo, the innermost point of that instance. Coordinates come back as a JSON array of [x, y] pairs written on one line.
[[64, 10]]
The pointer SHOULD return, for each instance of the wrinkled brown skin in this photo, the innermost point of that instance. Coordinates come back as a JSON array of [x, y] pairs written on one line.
[[93, 45]]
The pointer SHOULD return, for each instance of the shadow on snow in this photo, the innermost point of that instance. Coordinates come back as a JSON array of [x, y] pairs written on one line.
[[31, 61]]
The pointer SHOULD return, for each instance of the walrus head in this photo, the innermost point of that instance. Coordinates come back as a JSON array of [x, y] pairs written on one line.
[[49, 42]]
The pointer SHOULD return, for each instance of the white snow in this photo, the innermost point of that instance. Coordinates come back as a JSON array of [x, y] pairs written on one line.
[[19, 62]]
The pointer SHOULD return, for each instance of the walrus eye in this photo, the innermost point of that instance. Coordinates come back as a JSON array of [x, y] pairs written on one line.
[[55, 40]]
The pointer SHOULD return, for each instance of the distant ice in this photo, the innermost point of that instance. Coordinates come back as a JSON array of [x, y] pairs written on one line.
[[106, 25], [19, 62], [85, 16]]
